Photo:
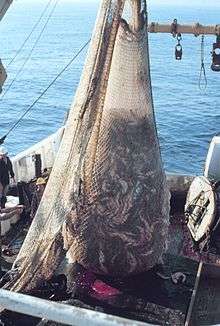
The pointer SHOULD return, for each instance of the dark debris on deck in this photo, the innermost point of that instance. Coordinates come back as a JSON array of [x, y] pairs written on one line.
[[151, 297]]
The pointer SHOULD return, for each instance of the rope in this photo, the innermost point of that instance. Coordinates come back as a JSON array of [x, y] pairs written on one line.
[[28, 37], [41, 95], [144, 4], [32, 49], [202, 87]]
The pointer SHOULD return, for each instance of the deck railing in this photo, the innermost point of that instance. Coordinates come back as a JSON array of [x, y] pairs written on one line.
[[59, 312]]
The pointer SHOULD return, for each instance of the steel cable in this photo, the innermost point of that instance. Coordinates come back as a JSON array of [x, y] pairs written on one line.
[[31, 32], [32, 49], [202, 87], [41, 95]]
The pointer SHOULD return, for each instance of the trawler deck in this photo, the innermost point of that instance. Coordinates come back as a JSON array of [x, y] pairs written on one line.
[[153, 297]]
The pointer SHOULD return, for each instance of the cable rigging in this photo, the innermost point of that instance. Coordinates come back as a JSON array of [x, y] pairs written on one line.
[[32, 50], [41, 95], [202, 87], [31, 32]]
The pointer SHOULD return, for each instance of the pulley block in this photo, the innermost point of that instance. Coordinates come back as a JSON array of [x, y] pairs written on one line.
[[216, 55], [178, 48]]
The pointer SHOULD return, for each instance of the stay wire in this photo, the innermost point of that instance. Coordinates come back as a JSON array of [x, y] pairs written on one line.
[[144, 4], [41, 95], [31, 32], [202, 86], [30, 53]]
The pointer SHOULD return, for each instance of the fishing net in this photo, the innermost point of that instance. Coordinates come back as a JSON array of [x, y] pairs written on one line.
[[106, 201]]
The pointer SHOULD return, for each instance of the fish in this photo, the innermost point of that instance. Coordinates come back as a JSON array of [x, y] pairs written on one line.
[[106, 203], [120, 223]]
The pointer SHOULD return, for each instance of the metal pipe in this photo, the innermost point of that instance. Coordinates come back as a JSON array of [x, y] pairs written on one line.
[[59, 312], [196, 29], [193, 298]]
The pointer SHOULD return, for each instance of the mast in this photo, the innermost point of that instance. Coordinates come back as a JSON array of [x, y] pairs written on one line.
[[4, 5]]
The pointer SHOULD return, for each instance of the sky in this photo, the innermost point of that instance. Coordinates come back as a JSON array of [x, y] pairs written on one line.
[[210, 3], [214, 3], [185, 3]]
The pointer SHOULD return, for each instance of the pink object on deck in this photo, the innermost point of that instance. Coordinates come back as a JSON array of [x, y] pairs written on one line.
[[103, 289]]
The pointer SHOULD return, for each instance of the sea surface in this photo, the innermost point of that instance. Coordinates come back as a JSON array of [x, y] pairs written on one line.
[[187, 118]]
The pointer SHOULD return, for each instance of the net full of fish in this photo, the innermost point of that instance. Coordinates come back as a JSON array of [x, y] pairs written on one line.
[[106, 202]]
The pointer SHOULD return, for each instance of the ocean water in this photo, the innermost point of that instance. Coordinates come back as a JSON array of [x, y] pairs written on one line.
[[187, 118]]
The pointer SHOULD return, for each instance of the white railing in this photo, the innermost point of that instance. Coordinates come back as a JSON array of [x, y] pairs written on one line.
[[24, 164], [59, 312]]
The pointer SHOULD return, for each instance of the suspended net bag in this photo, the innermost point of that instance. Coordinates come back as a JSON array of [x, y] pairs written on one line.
[[106, 201]]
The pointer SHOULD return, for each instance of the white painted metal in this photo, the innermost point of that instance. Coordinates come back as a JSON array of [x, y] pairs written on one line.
[[178, 182], [60, 313], [212, 165], [23, 163], [6, 225], [13, 201], [201, 200]]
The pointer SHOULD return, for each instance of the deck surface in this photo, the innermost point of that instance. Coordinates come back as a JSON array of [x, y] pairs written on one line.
[[149, 297], [206, 309]]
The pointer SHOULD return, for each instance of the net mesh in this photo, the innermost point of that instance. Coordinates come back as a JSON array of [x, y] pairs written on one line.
[[106, 201]]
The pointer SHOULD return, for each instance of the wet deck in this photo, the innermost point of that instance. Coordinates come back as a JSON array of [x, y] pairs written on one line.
[[151, 297]]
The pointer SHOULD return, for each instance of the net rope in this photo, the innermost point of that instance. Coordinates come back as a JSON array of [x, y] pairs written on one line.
[[106, 201]]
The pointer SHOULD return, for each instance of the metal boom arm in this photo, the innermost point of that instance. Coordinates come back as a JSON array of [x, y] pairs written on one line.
[[196, 29]]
